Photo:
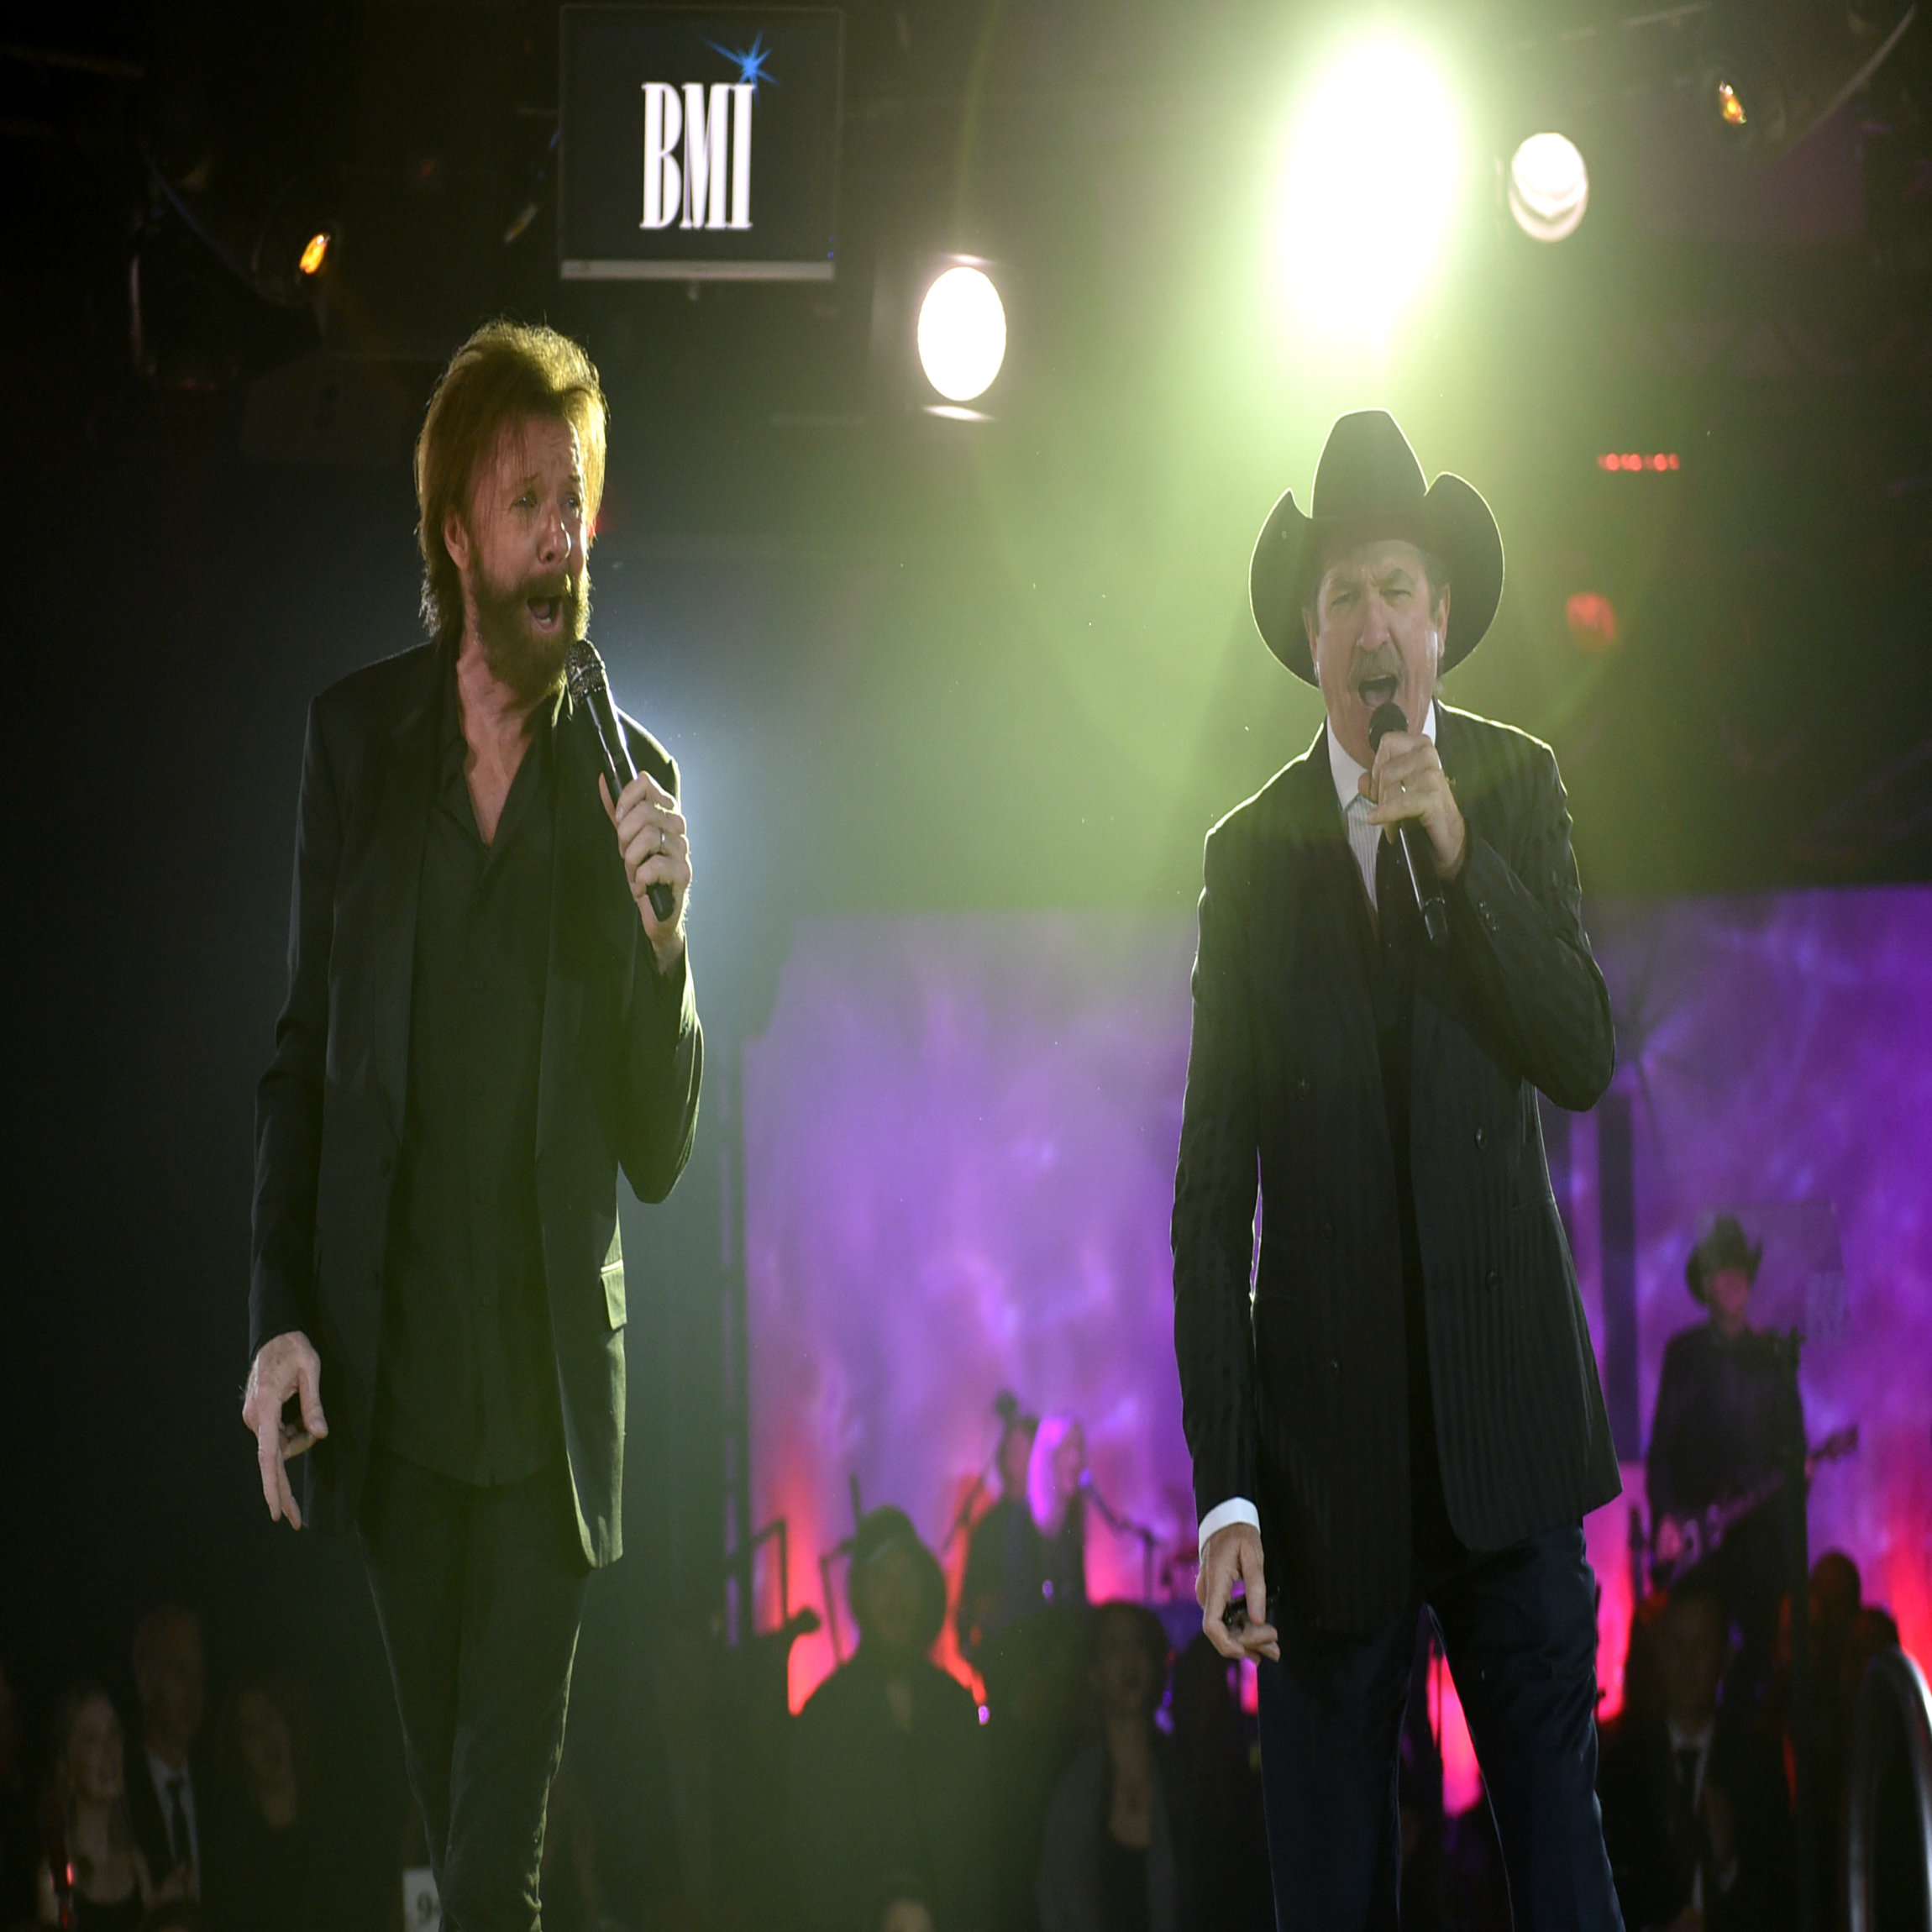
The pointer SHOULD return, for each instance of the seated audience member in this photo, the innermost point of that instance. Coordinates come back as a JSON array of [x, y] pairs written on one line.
[[174, 1915], [277, 1875], [703, 1846], [112, 1887], [1221, 1767], [168, 1798], [19, 1853], [1116, 1856], [1033, 1732], [888, 1800], [1836, 1591], [1697, 1818]]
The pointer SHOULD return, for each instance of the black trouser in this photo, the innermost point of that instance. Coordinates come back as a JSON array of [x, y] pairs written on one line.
[[479, 1592], [1520, 1628]]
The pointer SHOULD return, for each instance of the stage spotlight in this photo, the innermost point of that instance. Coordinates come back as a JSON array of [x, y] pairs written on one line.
[[962, 333], [314, 253], [1373, 182], [1549, 187]]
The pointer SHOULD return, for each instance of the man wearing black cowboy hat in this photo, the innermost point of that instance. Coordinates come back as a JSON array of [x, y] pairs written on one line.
[[1728, 1418], [888, 1781], [1404, 1411]]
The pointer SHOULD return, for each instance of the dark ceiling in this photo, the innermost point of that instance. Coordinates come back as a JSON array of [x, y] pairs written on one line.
[[1764, 715]]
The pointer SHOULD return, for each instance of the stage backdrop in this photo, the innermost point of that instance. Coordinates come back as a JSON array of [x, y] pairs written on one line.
[[959, 1145]]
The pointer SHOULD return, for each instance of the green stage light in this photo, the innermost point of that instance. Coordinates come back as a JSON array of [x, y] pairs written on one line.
[[1371, 188], [962, 333]]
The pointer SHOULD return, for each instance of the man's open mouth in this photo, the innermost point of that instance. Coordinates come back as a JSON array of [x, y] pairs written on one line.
[[1379, 689], [547, 612]]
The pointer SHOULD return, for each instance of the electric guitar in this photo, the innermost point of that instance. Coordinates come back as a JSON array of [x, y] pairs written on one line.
[[1680, 1544]]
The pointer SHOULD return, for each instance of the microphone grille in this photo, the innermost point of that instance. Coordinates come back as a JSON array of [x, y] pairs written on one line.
[[1387, 717], [583, 671]]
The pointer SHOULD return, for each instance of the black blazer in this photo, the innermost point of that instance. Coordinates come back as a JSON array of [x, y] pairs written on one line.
[[150, 1828], [618, 1086], [1299, 1402]]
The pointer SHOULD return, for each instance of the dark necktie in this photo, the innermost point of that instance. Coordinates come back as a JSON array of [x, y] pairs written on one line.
[[1394, 897], [178, 1840], [1684, 1832]]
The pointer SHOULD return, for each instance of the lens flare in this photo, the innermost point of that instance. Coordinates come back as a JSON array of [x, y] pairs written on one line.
[[1371, 188], [1730, 107], [314, 254], [962, 334], [1549, 187]]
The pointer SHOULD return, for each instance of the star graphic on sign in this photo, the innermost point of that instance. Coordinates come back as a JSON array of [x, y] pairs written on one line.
[[749, 61]]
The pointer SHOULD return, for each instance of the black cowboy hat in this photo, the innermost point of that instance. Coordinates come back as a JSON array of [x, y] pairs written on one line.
[[1369, 484], [1724, 1247], [886, 1529]]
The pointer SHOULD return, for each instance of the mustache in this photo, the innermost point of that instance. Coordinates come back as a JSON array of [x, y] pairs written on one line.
[[1386, 663]]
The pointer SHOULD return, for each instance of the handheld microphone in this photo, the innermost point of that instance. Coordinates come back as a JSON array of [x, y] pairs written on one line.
[[589, 689], [1418, 856]]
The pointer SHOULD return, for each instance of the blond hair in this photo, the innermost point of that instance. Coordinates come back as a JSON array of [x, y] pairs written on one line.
[[507, 369]]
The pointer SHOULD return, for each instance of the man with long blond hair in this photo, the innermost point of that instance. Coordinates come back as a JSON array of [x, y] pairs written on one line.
[[486, 1019]]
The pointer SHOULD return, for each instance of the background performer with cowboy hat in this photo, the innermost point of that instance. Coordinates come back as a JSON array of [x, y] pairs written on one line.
[[1728, 1419], [1407, 1412]]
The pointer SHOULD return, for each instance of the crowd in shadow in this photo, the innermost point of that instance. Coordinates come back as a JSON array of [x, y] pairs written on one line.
[[1101, 1775], [171, 1824]]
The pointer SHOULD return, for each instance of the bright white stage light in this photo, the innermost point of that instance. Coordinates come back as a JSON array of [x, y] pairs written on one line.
[[962, 334], [1373, 187], [1549, 187]]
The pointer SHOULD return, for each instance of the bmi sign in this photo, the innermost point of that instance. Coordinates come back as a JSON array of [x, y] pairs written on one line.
[[699, 143]]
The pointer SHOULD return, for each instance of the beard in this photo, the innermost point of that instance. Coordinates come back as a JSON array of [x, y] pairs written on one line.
[[529, 660]]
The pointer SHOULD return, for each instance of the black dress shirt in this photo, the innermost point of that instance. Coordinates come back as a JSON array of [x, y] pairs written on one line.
[[1727, 1416], [467, 1382]]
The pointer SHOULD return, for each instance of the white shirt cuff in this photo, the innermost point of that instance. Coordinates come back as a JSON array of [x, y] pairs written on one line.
[[1236, 1509]]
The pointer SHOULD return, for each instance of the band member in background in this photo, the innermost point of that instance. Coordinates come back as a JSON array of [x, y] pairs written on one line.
[[1727, 1419], [1399, 1406], [1056, 1489], [486, 1020], [1005, 1564]]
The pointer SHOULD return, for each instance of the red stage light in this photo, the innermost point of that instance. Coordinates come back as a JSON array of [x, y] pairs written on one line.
[[1592, 621], [1631, 459]]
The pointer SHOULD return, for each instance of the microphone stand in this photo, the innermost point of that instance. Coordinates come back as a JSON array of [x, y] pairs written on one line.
[[963, 1518], [1126, 1526]]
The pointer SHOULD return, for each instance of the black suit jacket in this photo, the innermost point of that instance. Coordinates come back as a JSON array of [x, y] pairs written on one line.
[[1300, 1401], [150, 1828], [618, 1086]]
